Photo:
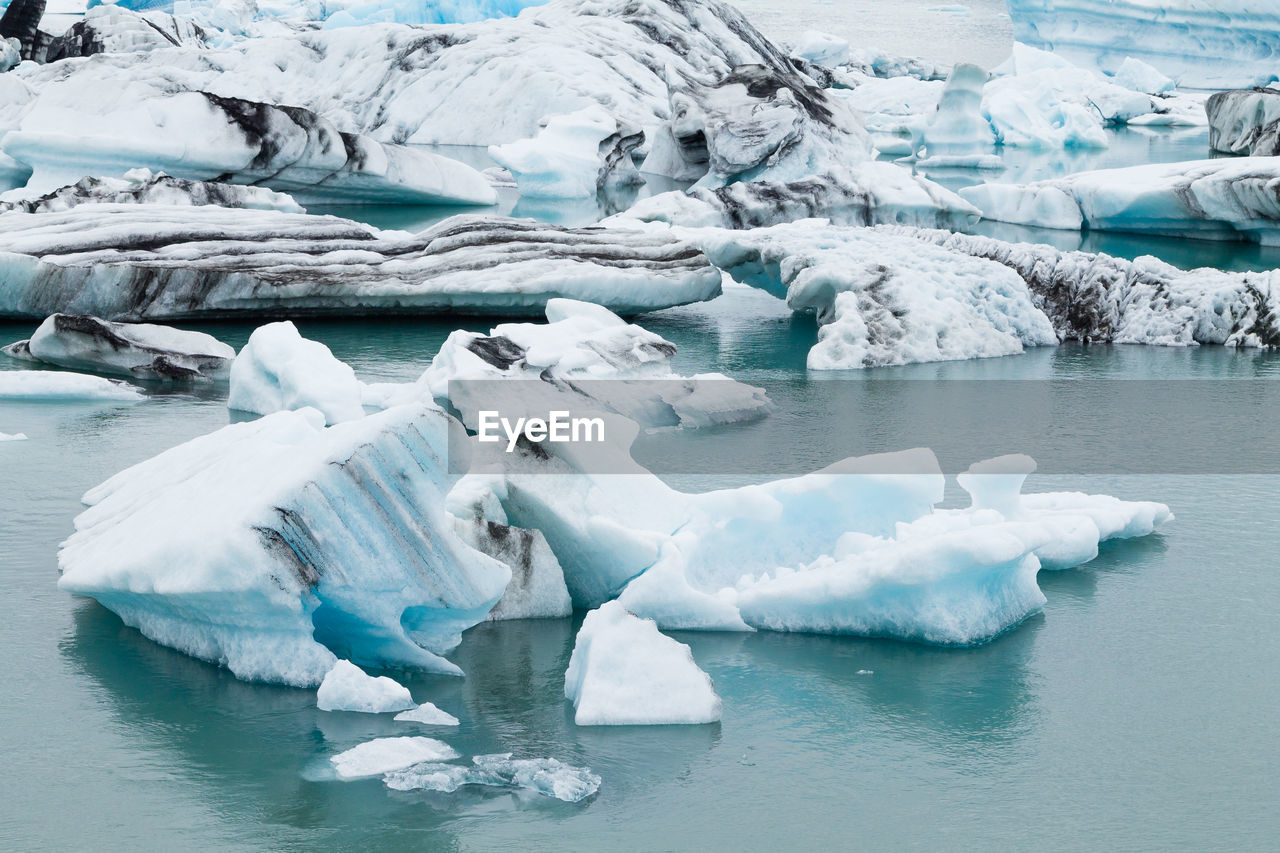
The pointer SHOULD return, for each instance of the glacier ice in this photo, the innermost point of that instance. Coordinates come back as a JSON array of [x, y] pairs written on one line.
[[1245, 121], [388, 754], [142, 186], [346, 687], [1141, 77], [1226, 198], [1200, 43], [427, 714], [581, 342], [279, 370], [546, 776], [117, 29], [574, 156], [333, 13], [79, 342], [959, 127], [60, 385], [274, 546], [624, 672], [822, 49], [134, 262], [1095, 297], [880, 301]]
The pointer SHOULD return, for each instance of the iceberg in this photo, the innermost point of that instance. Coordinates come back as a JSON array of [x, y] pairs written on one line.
[[574, 156], [347, 687], [141, 186], [624, 672], [1245, 122], [821, 49], [959, 127], [79, 342], [1201, 43], [389, 754], [881, 301], [17, 436], [103, 128], [428, 715], [1223, 199], [276, 546], [58, 385], [279, 370], [581, 344], [116, 29], [158, 262], [1095, 297], [545, 776]]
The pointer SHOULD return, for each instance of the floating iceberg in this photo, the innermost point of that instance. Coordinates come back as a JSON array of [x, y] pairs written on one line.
[[870, 193], [17, 436], [116, 29], [428, 715], [279, 370], [106, 127], [623, 672], [1201, 43], [582, 343], [347, 687], [137, 262], [546, 776], [574, 156], [1095, 297], [273, 546], [57, 385], [141, 186], [879, 300], [389, 754], [1245, 122], [1224, 199], [79, 342], [959, 127]]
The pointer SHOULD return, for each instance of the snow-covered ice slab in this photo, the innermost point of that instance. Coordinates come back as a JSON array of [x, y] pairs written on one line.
[[546, 776], [624, 672], [1201, 43], [566, 359], [135, 262], [142, 186], [1095, 297], [347, 687], [59, 385], [1225, 199], [483, 83], [1245, 121], [79, 342], [878, 299], [269, 546], [389, 754], [106, 127], [870, 193], [428, 715], [279, 370]]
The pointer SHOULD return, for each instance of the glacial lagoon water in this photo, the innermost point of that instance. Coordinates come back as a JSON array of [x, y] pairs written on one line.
[[1137, 712]]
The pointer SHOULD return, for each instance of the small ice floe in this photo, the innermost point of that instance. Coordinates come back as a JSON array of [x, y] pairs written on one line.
[[347, 687], [427, 714], [57, 385], [389, 754], [546, 776], [624, 672], [17, 436]]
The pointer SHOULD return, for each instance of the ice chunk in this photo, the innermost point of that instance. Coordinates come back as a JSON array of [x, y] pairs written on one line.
[[822, 49], [624, 672], [1227, 198], [546, 776], [1141, 77], [1245, 121], [997, 483], [57, 385], [537, 589], [347, 687], [428, 715], [959, 127], [273, 546], [149, 261], [388, 754], [4, 436], [80, 342], [279, 370], [574, 156], [1203, 43], [142, 186]]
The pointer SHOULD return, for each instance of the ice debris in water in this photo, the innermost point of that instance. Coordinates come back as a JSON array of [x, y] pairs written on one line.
[[427, 714], [279, 370], [347, 687], [17, 436], [546, 776], [388, 754], [57, 385], [623, 672]]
